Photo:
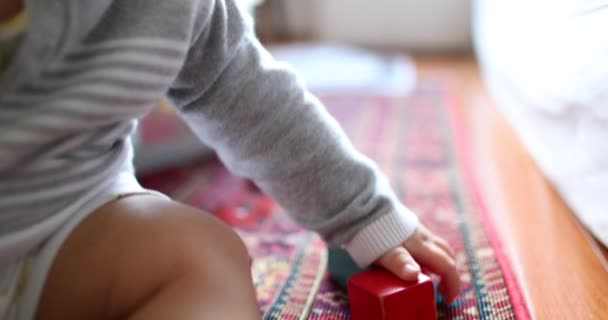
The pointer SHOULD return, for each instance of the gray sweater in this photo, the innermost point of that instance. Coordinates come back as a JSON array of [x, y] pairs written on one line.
[[86, 70]]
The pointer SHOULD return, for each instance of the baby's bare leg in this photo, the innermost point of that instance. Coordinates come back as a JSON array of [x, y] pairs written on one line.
[[143, 257]]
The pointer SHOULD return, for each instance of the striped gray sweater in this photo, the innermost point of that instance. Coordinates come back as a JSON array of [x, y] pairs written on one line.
[[85, 71]]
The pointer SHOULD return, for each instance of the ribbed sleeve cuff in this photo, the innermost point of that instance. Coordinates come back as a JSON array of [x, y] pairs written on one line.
[[387, 232]]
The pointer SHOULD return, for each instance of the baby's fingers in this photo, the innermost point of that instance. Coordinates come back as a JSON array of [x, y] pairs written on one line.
[[438, 261], [400, 262], [444, 245]]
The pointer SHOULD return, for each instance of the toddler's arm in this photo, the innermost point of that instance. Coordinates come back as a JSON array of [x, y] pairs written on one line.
[[265, 126]]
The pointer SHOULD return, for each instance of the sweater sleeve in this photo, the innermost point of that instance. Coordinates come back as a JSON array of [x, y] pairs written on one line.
[[263, 123]]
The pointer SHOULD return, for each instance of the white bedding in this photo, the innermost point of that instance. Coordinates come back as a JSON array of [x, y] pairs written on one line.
[[546, 64]]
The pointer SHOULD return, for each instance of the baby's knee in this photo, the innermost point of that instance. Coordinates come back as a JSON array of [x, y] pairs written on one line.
[[124, 252], [205, 244], [174, 239]]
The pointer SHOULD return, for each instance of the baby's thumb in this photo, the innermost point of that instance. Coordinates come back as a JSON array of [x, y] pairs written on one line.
[[401, 263]]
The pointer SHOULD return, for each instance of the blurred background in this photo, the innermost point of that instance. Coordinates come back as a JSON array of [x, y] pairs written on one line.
[[423, 26]]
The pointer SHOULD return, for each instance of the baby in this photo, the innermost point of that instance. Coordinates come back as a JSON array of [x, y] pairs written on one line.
[[81, 239]]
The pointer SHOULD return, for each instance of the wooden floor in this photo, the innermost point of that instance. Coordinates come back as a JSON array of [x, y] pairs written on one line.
[[562, 270]]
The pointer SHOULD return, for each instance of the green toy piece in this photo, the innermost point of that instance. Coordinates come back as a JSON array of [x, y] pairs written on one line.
[[341, 266]]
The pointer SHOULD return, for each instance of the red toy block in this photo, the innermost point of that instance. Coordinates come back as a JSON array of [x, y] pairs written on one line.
[[377, 294]]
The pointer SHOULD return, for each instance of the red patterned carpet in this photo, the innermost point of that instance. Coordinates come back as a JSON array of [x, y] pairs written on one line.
[[420, 144]]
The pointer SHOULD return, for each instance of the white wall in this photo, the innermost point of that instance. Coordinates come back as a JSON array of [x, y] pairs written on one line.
[[416, 24]]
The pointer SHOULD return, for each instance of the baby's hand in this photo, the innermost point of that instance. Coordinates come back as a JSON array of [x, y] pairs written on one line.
[[430, 251]]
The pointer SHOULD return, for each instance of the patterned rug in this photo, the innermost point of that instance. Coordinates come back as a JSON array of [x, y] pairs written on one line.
[[419, 142]]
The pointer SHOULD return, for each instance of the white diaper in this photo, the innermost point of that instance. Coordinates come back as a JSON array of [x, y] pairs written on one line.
[[22, 281]]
